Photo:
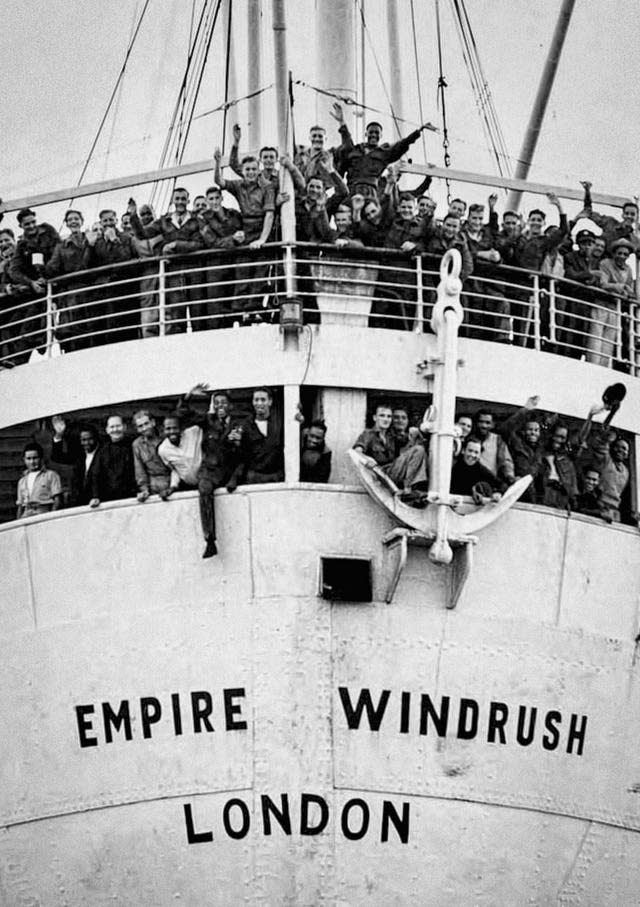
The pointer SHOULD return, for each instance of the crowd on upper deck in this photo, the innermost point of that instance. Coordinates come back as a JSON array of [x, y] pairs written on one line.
[[347, 195]]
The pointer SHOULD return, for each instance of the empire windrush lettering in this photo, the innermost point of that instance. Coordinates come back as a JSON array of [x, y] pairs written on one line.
[[308, 814], [465, 718]]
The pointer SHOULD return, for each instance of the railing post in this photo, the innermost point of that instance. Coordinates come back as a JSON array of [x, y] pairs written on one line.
[[49, 321], [618, 329], [419, 325], [162, 297], [289, 271], [552, 310], [536, 311], [633, 333]]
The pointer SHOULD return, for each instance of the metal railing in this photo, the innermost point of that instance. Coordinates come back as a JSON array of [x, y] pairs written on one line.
[[340, 285]]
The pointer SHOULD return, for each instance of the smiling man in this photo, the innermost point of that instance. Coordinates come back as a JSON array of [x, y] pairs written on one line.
[[39, 489]]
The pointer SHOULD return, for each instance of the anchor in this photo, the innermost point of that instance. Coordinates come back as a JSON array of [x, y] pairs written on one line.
[[440, 525]]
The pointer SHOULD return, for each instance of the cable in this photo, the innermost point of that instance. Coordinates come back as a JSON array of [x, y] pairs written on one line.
[[376, 61], [417, 65], [443, 105], [113, 93], [226, 76]]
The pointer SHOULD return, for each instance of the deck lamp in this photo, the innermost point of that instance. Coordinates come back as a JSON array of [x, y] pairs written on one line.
[[291, 315]]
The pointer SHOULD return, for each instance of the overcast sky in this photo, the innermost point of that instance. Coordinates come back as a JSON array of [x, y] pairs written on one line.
[[60, 60]]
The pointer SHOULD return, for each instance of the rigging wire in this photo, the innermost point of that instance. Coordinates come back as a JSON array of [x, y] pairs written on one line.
[[482, 93], [442, 84], [166, 148], [383, 81], [227, 70], [350, 102], [418, 80], [113, 93]]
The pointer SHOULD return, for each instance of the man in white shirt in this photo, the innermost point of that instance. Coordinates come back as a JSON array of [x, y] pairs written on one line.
[[181, 451], [39, 489]]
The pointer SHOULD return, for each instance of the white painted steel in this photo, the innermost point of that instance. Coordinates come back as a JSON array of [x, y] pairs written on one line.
[[548, 618]]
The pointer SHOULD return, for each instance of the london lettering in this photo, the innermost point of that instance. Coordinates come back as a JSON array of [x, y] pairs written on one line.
[[466, 719], [312, 817]]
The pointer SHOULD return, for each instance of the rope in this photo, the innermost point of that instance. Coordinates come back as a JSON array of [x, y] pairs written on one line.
[[228, 104], [345, 99], [442, 84], [417, 65]]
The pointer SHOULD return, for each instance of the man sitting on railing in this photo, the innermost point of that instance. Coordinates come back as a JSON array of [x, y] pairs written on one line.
[[180, 234], [220, 464], [403, 460], [181, 453], [39, 489], [71, 254], [27, 268]]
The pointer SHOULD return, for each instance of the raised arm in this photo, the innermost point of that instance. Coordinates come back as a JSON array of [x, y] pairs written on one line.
[[234, 154]]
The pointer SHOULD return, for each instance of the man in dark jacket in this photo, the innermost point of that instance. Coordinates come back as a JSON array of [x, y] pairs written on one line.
[[557, 483], [180, 232], [364, 163], [523, 433], [27, 268], [113, 477], [470, 477], [79, 456], [261, 441], [70, 255]]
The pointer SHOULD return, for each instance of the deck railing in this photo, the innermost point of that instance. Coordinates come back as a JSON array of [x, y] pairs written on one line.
[[340, 285]]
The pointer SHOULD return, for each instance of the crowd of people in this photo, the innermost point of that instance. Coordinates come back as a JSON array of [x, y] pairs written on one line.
[[191, 449], [584, 471], [348, 195]]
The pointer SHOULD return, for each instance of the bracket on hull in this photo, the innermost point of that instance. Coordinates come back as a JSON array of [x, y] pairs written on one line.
[[460, 567]]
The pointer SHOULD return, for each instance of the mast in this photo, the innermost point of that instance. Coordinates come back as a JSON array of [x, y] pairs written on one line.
[[335, 54], [287, 210], [395, 65], [542, 98], [254, 71]]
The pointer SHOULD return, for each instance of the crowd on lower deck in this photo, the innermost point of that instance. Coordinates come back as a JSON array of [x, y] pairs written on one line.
[[348, 196], [574, 468]]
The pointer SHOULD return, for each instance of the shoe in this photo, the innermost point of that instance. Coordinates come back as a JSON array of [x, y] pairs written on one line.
[[414, 498], [211, 548]]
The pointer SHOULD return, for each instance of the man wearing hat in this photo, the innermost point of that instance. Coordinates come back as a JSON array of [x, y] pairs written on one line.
[[32, 253], [616, 278], [574, 316]]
